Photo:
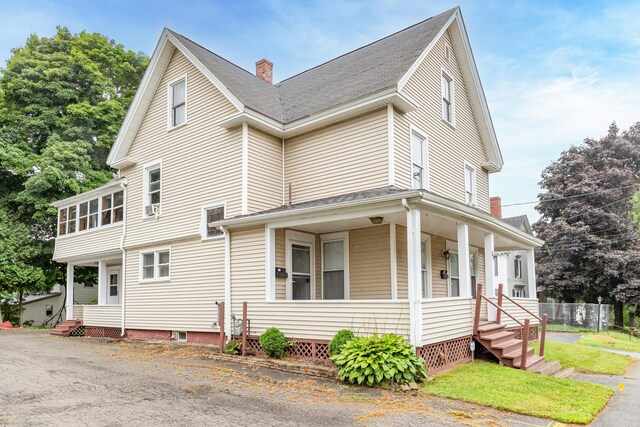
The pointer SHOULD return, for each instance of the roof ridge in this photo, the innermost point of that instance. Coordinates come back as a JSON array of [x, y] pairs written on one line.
[[365, 46], [219, 56]]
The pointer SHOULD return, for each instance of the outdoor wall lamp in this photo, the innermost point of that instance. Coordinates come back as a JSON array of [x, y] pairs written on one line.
[[445, 254]]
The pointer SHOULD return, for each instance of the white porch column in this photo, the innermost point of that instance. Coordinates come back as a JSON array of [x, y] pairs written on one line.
[[463, 260], [270, 262], [489, 273], [102, 283], [414, 276], [69, 289], [532, 292]]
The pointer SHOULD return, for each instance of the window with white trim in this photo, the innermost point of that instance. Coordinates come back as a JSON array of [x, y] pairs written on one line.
[[152, 188], [178, 102], [88, 215], [425, 266], [155, 265], [335, 273], [495, 266], [211, 214], [112, 208], [454, 273], [49, 310], [470, 193], [300, 264], [419, 159], [67, 220], [517, 267], [447, 98]]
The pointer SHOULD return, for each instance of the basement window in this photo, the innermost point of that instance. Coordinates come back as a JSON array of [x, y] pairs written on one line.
[[181, 336]]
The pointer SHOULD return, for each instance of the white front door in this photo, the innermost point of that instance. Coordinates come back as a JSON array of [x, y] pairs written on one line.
[[113, 286]]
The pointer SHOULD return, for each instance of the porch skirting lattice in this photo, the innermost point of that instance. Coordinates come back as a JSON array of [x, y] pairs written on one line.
[[445, 354], [101, 332], [302, 348]]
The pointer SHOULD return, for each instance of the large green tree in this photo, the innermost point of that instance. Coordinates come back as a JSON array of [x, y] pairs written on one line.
[[592, 245], [62, 100]]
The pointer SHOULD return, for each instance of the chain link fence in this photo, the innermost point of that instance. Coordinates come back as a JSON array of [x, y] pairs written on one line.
[[576, 316]]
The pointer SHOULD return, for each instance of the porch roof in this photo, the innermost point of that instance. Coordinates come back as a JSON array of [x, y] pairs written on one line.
[[382, 196]]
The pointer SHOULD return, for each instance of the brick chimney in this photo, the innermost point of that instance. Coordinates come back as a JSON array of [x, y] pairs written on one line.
[[264, 70], [496, 207]]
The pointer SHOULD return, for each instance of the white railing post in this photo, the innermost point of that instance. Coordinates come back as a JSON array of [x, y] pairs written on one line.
[[69, 290], [464, 265], [489, 273], [102, 283], [531, 274]]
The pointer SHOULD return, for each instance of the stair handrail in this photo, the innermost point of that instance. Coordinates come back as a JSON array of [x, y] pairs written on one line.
[[542, 320], [476, 320]]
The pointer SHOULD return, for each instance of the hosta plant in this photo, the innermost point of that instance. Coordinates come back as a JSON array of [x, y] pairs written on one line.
[[379, 360], [339, 340]]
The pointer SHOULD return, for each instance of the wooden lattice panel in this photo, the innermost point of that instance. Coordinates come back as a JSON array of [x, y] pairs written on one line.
[[301, 348], [533, 333], [442, 355], [100, 332], [77, 332], [254, 344]]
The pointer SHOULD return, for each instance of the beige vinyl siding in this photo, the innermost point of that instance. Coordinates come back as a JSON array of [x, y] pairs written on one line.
[[78, 311], [201, 162], [85, 294], [448, 147], [87, 244], [322, 319], [338, 159], [248, 279], [402, 150], [265, 171], [369, 263], [528, 303], [439, 286], [280, 256], [187, 300], [109, 316], [446, 319], [401, 262]]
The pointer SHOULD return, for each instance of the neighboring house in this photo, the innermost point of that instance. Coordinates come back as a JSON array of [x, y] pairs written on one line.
[[352, 195], [510, 267], [48, 309]]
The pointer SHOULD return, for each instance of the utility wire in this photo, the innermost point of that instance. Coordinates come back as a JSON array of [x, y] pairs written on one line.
[[569, 197]]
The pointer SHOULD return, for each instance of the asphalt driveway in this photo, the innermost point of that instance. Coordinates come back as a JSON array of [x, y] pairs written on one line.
[[46, 380]]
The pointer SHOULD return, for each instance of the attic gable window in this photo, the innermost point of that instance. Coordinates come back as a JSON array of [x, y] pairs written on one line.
[[447, 98], [178, 102]]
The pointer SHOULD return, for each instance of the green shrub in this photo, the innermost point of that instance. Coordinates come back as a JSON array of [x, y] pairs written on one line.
[[378, 360], [233, 347], [273, 343], [339, 340]]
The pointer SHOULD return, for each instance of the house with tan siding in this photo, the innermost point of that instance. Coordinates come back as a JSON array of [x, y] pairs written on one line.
[[352, 195]]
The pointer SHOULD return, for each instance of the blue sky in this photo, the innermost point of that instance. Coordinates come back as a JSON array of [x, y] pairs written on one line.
[[553, 72]]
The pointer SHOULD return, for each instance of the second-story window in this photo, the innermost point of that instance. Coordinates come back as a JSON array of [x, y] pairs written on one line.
[[447, 98], [211, 214], [517, 267], [88, 215], [152, 184], [178, 103], [470, 184], [112, 208], [419, 161]]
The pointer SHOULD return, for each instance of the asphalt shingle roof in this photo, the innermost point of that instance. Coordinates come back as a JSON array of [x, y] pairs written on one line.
[[369, 69]]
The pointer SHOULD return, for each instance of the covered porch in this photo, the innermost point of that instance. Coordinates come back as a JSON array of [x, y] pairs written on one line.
[[406, 262]]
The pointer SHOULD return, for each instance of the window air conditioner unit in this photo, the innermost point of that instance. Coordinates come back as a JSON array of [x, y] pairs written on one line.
[[152, 210]]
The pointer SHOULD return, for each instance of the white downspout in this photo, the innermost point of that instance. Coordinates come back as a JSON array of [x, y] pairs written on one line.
[[123, 185], [227, 281]]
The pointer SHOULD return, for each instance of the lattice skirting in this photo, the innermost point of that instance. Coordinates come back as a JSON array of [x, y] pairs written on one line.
[[101, 332], [445, 354], [533, 332], [77, 332], [303, 348]]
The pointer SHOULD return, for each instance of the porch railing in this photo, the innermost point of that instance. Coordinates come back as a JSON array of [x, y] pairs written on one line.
[[525, 324]]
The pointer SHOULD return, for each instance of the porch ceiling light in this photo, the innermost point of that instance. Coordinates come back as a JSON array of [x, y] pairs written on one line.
[[376, 220]]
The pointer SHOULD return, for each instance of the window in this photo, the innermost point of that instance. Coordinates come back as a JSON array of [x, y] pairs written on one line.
[[495, 266], [88, 217], [67, 220], [178, 92], [470, 184], [454, 273], [62, 222], [180, 336], [335, 276], [300, 265], [211, 214], [419, 160], [447, 98], [49, 310], [517, 267], [425, 266], [155, 265], [112, 208], [152, 183]]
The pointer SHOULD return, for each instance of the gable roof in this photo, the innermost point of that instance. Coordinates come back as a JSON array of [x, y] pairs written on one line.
[[379, 67], [521, 222]]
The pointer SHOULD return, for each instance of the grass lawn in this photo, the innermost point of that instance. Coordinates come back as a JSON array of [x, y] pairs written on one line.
[[585, 359], [567, 328], [490, 384], [617, 340]]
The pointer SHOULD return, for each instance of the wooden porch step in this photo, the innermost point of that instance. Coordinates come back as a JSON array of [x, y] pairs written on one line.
[[507, 346], [58, 332], [515, 354], [532, 363], [489, 327], [497, 336], [565, 373]]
